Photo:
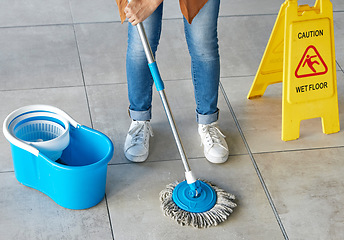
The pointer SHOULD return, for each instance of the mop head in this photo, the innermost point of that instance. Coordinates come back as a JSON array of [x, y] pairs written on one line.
[[217, 214]]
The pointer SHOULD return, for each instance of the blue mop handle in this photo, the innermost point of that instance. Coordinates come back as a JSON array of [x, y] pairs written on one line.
[[159, 84]]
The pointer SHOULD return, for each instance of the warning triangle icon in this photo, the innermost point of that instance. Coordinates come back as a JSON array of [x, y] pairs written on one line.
[[311, 64]]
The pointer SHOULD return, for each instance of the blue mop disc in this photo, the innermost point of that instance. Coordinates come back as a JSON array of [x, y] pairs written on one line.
[[202, 203]]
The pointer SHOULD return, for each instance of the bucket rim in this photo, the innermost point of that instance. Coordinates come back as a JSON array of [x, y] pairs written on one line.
[[42, 116]]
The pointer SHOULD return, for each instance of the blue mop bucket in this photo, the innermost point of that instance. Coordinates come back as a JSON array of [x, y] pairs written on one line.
[[57, 156]]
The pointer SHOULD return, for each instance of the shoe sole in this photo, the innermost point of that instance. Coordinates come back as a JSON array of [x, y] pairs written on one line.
[[216, 160], [136, 159]]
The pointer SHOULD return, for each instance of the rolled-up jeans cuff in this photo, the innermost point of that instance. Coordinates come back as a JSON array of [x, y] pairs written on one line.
[[140, 115], [207, 119]]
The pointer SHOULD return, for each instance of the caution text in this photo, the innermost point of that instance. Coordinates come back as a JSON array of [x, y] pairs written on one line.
[[310, 34]]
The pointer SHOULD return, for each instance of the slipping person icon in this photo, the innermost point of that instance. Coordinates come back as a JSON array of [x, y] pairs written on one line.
[[310, 63]]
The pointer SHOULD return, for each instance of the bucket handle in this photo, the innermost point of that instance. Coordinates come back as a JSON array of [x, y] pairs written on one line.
[[32, 108]]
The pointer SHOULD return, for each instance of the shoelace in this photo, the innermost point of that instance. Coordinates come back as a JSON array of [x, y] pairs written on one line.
[[139, 132], [213, 134]]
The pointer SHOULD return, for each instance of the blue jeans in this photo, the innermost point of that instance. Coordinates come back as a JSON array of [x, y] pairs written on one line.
[[202, 41]]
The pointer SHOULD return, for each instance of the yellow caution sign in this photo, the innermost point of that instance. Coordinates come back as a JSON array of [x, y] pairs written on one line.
[[301, 53]]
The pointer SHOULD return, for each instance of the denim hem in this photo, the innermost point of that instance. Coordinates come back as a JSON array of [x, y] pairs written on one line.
[[140, 115], [207, 119]]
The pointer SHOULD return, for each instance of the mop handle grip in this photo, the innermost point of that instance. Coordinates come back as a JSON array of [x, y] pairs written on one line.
[[150, 58], [159, 84]]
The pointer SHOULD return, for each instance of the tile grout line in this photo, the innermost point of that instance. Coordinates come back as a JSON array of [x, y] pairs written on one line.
[[118, 21], [255, 165], [81, 69], [340, 67], [109, 216], [113, 21], [89, 110], [300, 149]]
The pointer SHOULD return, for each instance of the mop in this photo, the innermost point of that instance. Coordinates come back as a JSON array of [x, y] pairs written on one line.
[[192, 202]]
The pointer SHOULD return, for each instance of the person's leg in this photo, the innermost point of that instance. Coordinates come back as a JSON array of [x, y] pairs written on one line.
[[139, 78], [202, 40], [140, 81]]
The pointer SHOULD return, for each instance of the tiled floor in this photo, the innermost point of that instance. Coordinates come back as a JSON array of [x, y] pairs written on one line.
[[71, 54]]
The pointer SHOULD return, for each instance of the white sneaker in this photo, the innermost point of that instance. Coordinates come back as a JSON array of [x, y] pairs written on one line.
[[136, 146], [215, 146]]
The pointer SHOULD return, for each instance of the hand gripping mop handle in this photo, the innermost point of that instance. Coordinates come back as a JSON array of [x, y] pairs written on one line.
[[191, 180]]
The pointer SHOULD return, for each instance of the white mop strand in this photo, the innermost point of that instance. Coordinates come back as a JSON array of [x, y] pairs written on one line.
[[219, 213]]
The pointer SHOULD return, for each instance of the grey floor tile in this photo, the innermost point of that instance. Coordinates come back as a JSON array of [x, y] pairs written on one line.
[[261, 118], [306, 187], [94, 11], [133, 199], [338, 5], [109, 112], [172, 10], [34, 12], [109, 104], [38, 57], [29, 214], [71, 100], [232, 7], [102, 49], [242, 43], [339, 37]]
